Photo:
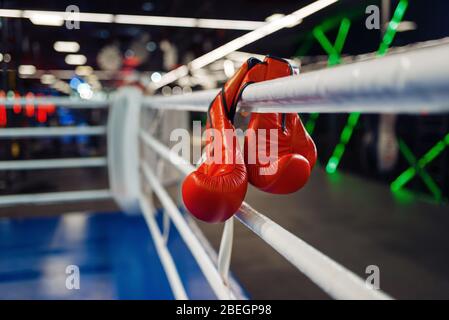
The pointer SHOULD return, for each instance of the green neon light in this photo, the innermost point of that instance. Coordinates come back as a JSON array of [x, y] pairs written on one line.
[[434, 152], [405, 177], [428, 157], [390, 33], [340, 41], [334, 53], [342, 34], [388, 38], [416, 169], [406, 196], [345, 136], [305, 39], [324, 41], [311, 122]]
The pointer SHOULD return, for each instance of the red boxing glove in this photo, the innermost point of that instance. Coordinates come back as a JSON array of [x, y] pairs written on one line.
[[288, 169], [215, 191]]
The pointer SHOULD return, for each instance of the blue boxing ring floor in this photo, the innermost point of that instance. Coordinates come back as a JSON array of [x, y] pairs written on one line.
[[114, 252]]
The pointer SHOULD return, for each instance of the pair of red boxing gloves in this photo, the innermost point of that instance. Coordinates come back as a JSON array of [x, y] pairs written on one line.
[[278, 152]]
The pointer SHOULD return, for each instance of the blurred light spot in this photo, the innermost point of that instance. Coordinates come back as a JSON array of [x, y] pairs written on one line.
[[7, 57], [47, 78], [84, 71], [74, 83], [156, 77], [85, 91], [177, 90], [151, 46], [75, 59], [66, 46], [229, 68], [186, 89], [147, 6], [129, 53], [166, 91], [27, 69]]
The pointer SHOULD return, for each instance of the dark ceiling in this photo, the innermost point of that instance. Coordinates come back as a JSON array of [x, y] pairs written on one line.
[[36, 41]]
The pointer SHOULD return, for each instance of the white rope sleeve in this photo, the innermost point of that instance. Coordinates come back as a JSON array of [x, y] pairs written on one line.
[[54, 197], [51, 131], [53, 163], [225, 252], [165, 256]]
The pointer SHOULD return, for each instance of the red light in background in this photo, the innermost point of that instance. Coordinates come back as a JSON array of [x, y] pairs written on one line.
[[41, 114], [3, 116], [17, 108], [51, 108], [29, 107]]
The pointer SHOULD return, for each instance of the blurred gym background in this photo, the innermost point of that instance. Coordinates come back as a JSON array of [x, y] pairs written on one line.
[[362, 206]]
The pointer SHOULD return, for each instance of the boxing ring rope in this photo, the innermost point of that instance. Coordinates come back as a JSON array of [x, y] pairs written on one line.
[[73, 103], [163, 252], [52, 131], [408, 82], [53, 163], [54, 197]]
